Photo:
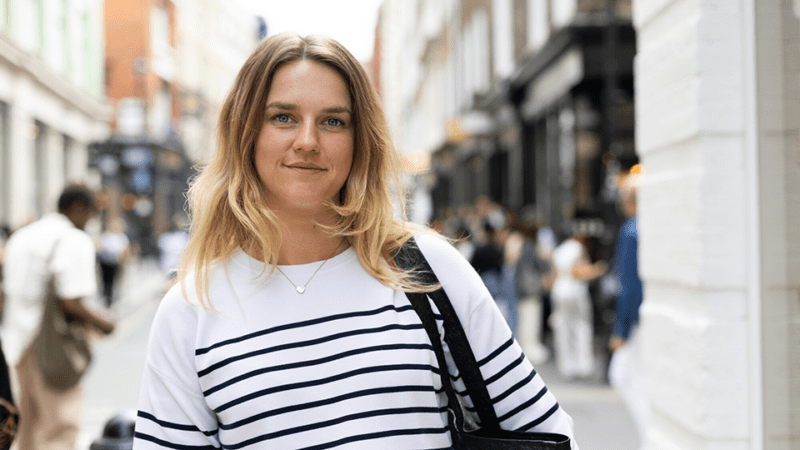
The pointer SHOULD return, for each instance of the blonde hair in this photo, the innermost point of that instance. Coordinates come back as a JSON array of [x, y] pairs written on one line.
[[227, 198]]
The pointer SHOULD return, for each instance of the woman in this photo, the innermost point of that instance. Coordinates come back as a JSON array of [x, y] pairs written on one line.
[[297, 332], [572, 316]]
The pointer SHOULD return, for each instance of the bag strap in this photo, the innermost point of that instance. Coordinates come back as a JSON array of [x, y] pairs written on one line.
[[409, 257], [52, 254]]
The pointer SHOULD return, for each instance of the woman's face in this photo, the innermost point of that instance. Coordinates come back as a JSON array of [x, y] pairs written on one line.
[[305, 148]]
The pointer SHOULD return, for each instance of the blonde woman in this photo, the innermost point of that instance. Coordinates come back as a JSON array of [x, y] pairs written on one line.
[[290, 327]]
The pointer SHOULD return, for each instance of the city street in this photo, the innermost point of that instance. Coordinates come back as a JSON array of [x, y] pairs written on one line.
[[112, 385]]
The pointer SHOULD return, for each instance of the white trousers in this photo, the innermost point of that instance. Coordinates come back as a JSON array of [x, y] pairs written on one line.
[[625, 375], [573, 331]]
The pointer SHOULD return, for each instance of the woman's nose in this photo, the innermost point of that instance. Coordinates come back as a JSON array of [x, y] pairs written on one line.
[[307, 138]]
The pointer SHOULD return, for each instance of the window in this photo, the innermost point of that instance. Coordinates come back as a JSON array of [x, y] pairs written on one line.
[[39, 189], [65, 33], [503, 37], [4, 5], [538, 23]]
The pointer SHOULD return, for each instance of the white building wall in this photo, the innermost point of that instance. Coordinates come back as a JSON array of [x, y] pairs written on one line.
[[707, 225], [214, 38], [778, 50], [51, 71]]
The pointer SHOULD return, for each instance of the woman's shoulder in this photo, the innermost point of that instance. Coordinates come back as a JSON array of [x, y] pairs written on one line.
[[435, 245]]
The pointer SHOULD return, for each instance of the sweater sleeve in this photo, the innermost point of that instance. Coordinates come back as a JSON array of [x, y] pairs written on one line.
[[521, 400], [173, 412]]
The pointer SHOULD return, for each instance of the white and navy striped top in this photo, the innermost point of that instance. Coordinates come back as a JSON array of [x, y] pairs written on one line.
[[345, 365]]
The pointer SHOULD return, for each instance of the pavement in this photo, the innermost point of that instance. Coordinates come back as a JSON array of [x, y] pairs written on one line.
[[111, 387]]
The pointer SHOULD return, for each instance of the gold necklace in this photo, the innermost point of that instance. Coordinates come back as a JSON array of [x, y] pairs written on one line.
[[302, 288]]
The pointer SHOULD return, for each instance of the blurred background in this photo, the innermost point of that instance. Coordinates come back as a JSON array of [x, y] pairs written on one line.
[[502, 111]]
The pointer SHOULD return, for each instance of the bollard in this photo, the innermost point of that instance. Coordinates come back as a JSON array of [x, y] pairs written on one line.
[[118, 433]]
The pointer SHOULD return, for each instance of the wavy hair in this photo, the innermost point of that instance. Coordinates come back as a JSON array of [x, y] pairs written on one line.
[[227, 198]]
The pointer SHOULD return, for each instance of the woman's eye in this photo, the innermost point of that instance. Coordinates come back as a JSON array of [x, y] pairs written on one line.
[[283, 118], [334, 122]]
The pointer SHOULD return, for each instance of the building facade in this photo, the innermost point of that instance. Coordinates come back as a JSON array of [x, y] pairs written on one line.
[[213, 40], [52, 101], [169, 65], [528, 102], [717, 126]]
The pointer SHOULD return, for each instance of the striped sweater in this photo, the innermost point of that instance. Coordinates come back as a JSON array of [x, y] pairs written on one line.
[[345, 365]]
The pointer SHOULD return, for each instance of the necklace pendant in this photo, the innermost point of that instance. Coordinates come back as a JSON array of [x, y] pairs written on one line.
[[300, 289]]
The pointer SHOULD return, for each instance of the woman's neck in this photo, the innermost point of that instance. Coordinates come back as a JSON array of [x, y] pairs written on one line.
[[304, 241]]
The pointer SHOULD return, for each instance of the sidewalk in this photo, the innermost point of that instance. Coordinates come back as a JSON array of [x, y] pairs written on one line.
[[601, 419], [112, 384]]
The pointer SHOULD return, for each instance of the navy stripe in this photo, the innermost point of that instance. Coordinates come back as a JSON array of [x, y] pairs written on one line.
[[494, 354], [321, 381], [338, 420], [315, 362], [204, 350], [330, 401], [525, 405], [507, 369], [541, 419], [382, 434], [174, 426], [311, 342], [167, 444], [514, 388]]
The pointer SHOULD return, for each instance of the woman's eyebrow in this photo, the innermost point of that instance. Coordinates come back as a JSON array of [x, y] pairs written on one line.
[[294, 107], [281, 105], [337, 109]]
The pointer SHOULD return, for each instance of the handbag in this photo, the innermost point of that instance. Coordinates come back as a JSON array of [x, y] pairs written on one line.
[[61, 348], [490, 436]]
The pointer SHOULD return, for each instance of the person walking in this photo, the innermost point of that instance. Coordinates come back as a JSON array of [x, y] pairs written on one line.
[[54, 246], [171, 244], [290, 326], [573, 330], [113, 253], [625, 369]]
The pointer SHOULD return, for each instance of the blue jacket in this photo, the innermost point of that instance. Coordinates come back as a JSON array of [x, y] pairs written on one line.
[[626, 266]]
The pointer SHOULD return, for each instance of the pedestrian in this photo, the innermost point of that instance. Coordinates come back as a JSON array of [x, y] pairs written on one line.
[[113, 253], [8, 411], [487, 260], [290, 327], [532, 279], [171, 244], [54, 246], [572, 318], [625, 369]]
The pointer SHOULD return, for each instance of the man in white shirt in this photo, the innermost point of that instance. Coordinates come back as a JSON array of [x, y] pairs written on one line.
[[56, 244]]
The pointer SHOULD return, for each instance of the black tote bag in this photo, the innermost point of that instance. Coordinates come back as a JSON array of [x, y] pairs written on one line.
[[490, 436]]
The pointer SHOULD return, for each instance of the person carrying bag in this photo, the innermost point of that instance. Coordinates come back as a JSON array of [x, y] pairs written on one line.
[[61, 348], [49, 269]]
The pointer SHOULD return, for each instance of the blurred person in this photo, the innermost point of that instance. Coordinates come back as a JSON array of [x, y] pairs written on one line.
[[50, 417], [625, 369], [572, 318], [8, 411], [171, 244], [487, 260], [533, 279], [290, 327], [113, 252]]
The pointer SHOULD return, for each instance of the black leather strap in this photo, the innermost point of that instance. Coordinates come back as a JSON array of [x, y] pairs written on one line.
[[409, 257]]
